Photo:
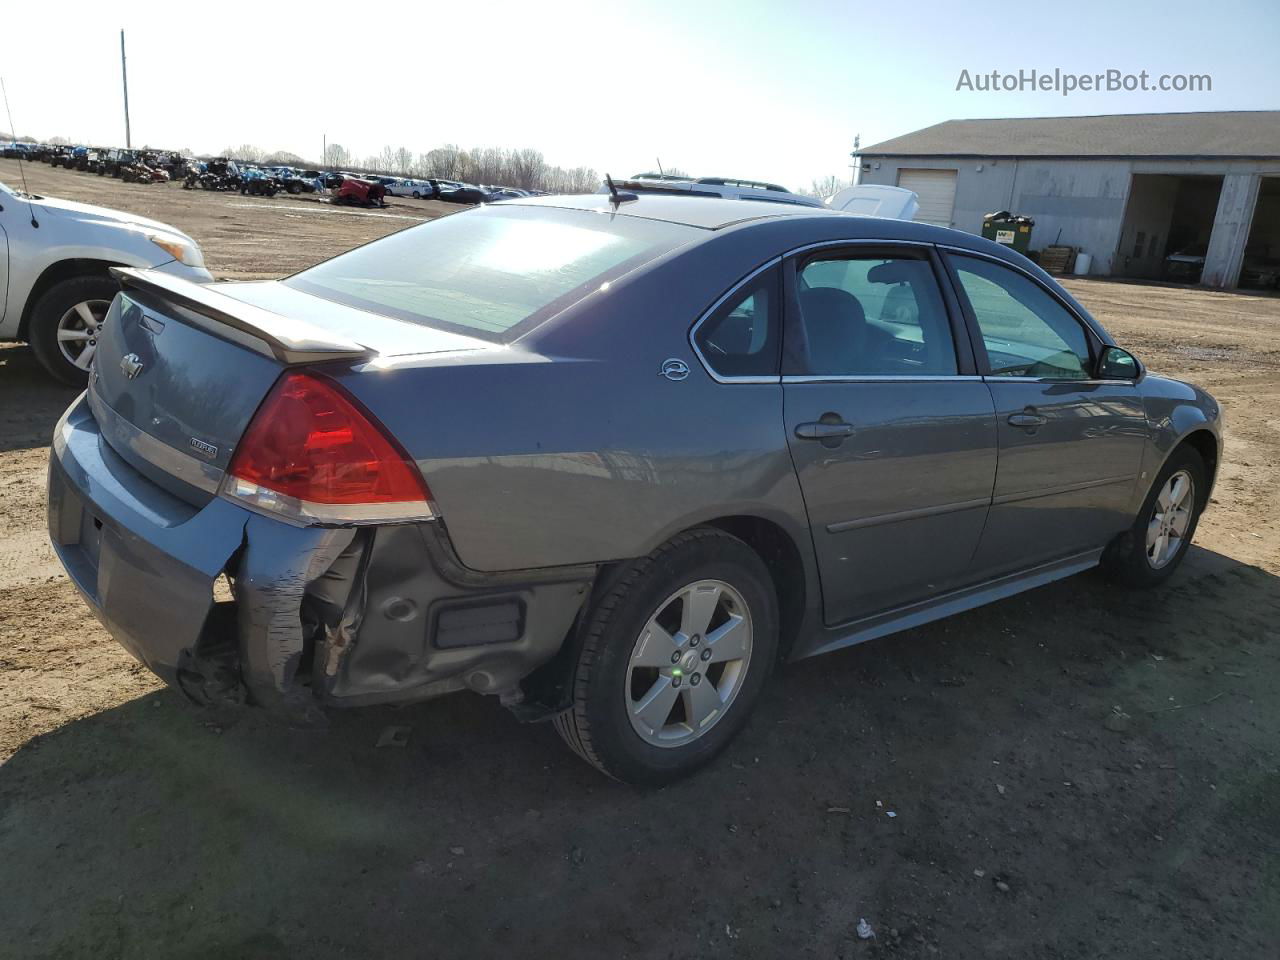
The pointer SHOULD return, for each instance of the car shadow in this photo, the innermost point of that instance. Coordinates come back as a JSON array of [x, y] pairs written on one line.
[[1076, 762], [31, 401]]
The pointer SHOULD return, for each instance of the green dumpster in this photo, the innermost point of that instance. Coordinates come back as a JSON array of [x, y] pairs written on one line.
[[1010, 230]]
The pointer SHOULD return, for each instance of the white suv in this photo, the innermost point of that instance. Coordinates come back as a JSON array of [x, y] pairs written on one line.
[[54, 285]]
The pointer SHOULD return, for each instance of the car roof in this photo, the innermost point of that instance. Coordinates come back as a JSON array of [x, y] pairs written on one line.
[[709, 213]]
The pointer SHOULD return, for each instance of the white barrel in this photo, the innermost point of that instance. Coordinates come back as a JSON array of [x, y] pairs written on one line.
[[1083, 262]]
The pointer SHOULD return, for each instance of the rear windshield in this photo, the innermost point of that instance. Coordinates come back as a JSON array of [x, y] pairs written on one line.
[[492, 272]]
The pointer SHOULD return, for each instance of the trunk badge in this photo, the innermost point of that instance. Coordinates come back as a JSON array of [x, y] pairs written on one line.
[[131, 365], [198, 445]]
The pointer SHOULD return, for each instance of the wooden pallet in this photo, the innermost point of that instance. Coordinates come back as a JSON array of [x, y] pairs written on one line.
[[1058, 258]]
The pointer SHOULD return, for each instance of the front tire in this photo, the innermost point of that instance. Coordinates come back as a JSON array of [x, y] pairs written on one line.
[[65, 325], [1148, 553], [675, 652]]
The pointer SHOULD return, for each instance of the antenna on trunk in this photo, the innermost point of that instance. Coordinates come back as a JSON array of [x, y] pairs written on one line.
[[614, 196]]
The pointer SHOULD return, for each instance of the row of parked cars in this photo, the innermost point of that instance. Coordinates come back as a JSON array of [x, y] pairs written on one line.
[[132, 166], [223, 173], [451, 191]]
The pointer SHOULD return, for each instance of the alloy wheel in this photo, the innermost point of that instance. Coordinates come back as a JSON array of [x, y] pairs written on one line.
[[1170, 519], [689, 663], [79, 329]]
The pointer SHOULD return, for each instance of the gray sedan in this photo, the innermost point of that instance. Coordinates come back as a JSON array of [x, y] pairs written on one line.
[[608, 459]]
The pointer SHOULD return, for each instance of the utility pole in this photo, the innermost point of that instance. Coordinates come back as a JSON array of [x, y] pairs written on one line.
[[855, 168], [124, 76]]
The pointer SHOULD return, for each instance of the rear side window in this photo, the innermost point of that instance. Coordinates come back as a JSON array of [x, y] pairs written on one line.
[[872, 316], [1025, 331], [494, 272], [741, 338]]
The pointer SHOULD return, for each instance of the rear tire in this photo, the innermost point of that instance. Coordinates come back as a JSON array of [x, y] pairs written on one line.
[[58, 303], [646, 716], [1149, 552]]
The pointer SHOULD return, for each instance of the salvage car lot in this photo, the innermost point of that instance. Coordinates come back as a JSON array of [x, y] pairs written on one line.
[[1032, 817]]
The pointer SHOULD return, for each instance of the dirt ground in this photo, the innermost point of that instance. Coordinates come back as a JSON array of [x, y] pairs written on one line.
[[1029, 819]]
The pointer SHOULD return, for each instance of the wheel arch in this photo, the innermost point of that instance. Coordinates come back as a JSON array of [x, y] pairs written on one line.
[[1204, 442], [780, 553], [546, 690], [791, 568], [55, 273]]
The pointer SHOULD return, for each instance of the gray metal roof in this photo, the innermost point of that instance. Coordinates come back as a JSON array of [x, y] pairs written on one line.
[[1242, 133]]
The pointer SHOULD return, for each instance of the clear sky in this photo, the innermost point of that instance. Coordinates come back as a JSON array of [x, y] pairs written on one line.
[[764, 89]]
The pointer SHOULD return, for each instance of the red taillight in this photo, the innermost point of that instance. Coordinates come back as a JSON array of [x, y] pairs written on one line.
[[313, 454]]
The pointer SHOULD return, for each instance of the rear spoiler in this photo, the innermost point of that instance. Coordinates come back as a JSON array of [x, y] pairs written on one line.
[[288, 340]]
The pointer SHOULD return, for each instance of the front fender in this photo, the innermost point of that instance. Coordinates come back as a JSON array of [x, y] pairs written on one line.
[[1175, 410], [31, 258]]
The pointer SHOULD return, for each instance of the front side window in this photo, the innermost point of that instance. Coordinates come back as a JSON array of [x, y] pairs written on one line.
[[741, 338], [872, 316], [1026, 332]]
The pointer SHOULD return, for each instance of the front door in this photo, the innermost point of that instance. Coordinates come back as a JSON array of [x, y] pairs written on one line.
[[892, 435], [1070, 445]]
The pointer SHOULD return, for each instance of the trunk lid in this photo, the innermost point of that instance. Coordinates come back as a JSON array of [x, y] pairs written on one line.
[[181, 368]]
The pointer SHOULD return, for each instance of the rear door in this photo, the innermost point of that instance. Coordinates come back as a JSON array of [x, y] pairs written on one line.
[[1070, 445], [891, 432]]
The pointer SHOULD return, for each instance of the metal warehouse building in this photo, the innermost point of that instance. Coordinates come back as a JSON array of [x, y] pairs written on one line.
[[1131, 190]]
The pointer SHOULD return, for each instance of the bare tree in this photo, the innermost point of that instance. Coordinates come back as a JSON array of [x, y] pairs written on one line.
[[402, 161], [826, 187], [385, 160], [336, 155], [528, 168], [583, 180], [283, 158], [445, 162], [246, 152]]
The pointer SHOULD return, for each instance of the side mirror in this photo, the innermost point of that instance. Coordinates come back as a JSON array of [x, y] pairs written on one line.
[[1118, 364]]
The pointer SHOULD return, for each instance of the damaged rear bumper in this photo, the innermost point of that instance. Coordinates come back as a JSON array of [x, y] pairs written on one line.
[[316, 616]]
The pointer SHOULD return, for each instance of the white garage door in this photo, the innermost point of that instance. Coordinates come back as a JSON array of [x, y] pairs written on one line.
[[937, 192]]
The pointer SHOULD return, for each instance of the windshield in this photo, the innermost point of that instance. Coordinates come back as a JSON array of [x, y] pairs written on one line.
[[493, 272]]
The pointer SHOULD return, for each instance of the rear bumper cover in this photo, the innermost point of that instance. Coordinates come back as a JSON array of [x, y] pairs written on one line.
[[319, 616]]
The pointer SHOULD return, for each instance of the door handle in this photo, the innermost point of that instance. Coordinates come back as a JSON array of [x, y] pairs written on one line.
[[824, 431], [1029, 420]]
